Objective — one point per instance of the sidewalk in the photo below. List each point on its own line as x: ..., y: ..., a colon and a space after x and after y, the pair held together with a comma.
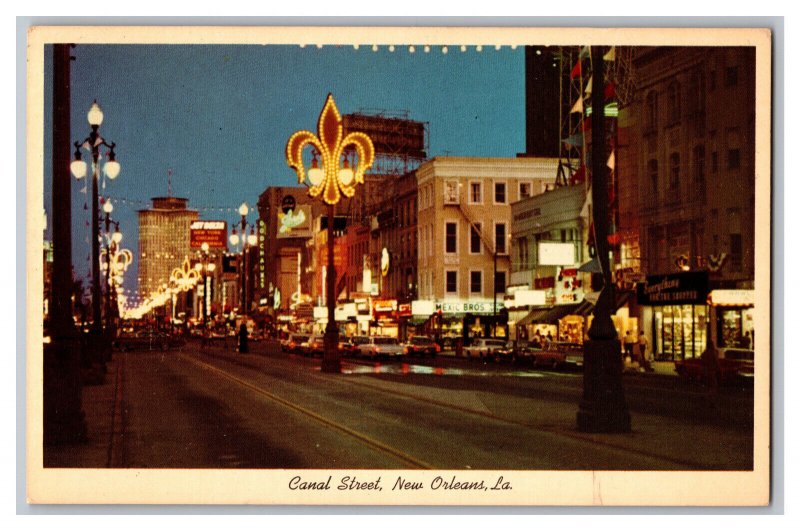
x: 661, y: 368
x: 101, y: 406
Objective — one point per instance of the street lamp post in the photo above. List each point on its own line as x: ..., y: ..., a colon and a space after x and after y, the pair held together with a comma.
x: 111, y: 241
x: 603, y: 407
x: 249, y: 241
x: 204, y: 267
x: 93, y: 143
x: 330, y: 181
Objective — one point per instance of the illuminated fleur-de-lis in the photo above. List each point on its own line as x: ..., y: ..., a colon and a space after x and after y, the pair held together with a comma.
x: 185, y: 277
x: 331, y: 180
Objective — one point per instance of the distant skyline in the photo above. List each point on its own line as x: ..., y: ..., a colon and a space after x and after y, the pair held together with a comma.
x: 218, y: 116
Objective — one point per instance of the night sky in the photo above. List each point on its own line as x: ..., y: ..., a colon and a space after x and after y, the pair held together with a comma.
x: 219, y: 116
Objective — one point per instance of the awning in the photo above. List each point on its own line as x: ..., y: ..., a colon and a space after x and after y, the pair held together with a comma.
x: 558, y: 312
x: 533, y: 316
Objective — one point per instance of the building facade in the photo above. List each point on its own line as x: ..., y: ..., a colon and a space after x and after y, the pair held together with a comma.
x: 691, y: 150
x: 464, y: 228
x: 163, y: 241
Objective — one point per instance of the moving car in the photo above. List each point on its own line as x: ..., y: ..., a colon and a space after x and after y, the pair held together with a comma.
x: 556, y: 354
x: 735, y: 365
x: 292, y: 343
x: 377, y: 346
x: 314, y: 345
x: 422, y: 346
x: 484, y: 347
x: 147, y: 340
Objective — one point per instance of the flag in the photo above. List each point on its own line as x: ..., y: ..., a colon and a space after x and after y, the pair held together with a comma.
x: 574, y: 140
x: 579, y: 176
x: 611, y: 161
x: 609, y: 91
x: 588, y: 89
x: 578, y: 107
x: 610, y: 55
x: 576, y: 70
x: 585, y: 51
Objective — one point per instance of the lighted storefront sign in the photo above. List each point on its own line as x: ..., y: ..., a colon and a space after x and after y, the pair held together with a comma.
x: 556, y: 254
x: 732, y: 297
x: 389, y: 305
x: 486, y: 307
x: 676, y: 288
x: 527, y: 297
x: 214, y: 233
x: 295, y: 222
x: 422, y: 308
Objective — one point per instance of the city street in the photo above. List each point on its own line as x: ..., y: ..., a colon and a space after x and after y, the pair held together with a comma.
x: 215, y: 408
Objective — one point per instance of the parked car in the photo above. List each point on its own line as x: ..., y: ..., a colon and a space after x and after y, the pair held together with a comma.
x: 422, y: 346
x: 348, y: 346
x: 524, y: 352
x: 735, y: 365
x: 558, y: 354
x: 293, y: 343
x: 484, y: 348
x: 378, y: 346
x: 147, y: 340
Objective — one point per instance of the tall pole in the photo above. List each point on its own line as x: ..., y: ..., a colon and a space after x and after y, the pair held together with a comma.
x: 331, y: 361
x: 244, y: 267
x: 97, y: 326
x: 603, y: 407
x: 494, y: 290
x: 63, y: 417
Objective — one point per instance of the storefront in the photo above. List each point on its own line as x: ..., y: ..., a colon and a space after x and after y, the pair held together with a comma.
x: 675, y: 307
x: 734, y: 317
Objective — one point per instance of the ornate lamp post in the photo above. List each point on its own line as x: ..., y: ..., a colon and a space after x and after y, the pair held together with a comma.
x: 330, y: 181
x: 250, y: 241
x: 184, y: 278
x: 603, y: 407
x: 93, y: 143
x: 204, y: 267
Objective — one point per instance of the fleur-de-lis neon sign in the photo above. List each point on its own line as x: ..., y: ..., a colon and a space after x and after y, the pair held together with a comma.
x: 185, y: 277
x: 331, y: 181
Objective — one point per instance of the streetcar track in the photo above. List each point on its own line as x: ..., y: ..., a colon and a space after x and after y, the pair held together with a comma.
x: 364, y: 439
x: 445, y: 405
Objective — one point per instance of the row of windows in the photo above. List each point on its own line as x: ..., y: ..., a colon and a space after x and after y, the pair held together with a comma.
x: 476, y: 243
x: 696, y: 97
x: 475, y: 282
x: 698, y: 170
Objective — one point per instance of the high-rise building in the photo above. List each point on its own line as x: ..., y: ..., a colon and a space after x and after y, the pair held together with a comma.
x: 163, y: 240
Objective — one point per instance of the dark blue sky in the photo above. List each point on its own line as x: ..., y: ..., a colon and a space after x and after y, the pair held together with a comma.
x: 219, y: 116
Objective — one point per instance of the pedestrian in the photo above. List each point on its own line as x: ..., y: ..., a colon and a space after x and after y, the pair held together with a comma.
x: 243, y: 338
x: 630, y: 341
x: 644, y: 356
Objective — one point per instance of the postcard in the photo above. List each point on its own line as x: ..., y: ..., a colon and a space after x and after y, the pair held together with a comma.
x: 398, y: 266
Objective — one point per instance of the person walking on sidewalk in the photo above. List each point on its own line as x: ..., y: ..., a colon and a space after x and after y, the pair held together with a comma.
x: 644, y: 356
x: 630, y: 341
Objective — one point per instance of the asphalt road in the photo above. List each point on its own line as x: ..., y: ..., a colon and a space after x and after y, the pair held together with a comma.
x: 215, y: 408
